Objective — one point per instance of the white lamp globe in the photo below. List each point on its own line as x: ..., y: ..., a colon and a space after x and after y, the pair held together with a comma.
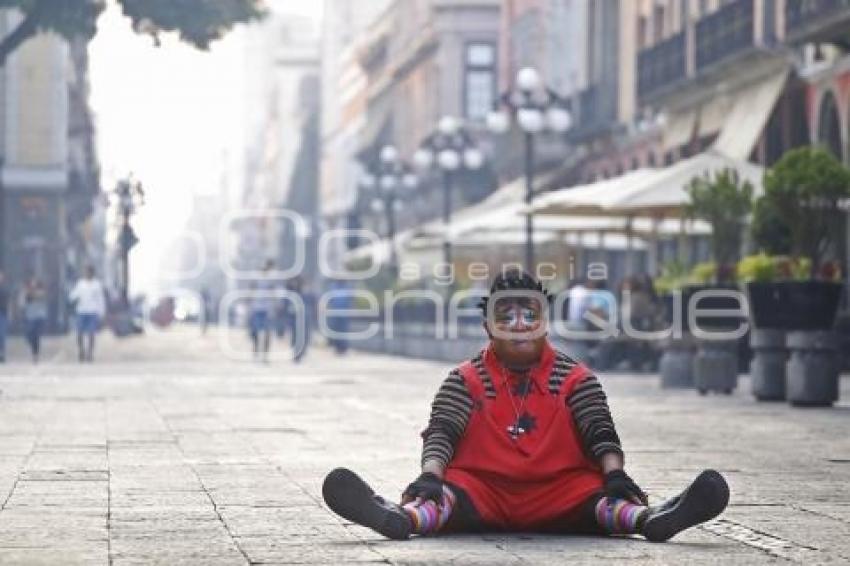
x: 409, y: 181
x: 449, y: 159
x: 528, y: 79
x: 388, y: 182
x: 530, y: 120
x: 377, y: 205
x: 423, y: 158
x: 473, y: 158
x: 389, y: 154
x: 498, y: 122
x: 558, y: 119
x: 448, y: 125
x: 368, y: 181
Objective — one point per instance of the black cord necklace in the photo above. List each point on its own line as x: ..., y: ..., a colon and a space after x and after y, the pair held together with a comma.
x: 514, y: 430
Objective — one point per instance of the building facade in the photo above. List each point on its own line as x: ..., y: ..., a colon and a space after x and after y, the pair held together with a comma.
x: 281, y: 53
x: 49, y: 175
x: 415, y: 63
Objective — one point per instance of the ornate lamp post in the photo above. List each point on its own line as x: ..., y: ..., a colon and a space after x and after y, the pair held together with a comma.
x: 386, y: 181
x: 450, y: 148
x: 536, y: 109
x: 128, y: 196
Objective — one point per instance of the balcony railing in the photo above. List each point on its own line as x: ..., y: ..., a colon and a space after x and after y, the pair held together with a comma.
x: 805, y: 17
x: 661, y: 65
x: 725, y: 33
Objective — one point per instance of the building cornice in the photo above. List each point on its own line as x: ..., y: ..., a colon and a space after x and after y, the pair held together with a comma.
x: 41, y: 179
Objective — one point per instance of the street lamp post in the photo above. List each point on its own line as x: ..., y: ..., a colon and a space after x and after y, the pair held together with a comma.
x: 129, y: 196
x: 450, y: 148
x: 536, y: 108
x: 386, y: 181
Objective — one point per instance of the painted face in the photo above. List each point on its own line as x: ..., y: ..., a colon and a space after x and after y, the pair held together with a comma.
x: 519, y: 318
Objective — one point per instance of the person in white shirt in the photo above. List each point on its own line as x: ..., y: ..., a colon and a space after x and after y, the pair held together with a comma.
x: 578, y: 295
x: 89, y: 298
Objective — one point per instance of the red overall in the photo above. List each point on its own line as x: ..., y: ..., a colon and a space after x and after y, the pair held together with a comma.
x: 541, y: 475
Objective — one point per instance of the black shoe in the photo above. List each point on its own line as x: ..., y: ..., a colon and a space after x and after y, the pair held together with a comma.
x: 351, y: 498
x: 702, y: 501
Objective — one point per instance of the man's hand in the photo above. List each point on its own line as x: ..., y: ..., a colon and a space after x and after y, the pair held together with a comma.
x: 428, y: 486
x: 618, y: 485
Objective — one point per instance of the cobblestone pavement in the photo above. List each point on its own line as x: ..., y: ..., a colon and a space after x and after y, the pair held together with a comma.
x: 167, y: 452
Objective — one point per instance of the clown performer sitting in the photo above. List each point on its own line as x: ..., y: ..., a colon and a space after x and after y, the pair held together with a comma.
x: 520, y: 438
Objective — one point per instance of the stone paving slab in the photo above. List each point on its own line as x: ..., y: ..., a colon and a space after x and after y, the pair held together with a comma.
x: 166, y: 452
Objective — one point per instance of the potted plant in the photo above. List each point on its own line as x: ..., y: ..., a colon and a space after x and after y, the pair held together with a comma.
x: 724, y: 201
x: 795, y: 300
x: 798, y: 220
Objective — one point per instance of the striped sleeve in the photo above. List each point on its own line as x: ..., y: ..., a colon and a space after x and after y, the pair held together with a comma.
x: 449, y: 416
x: 589, y: 406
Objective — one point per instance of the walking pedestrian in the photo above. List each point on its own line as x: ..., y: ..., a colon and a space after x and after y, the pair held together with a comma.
x: 300, y: 326
x: 340, y: 300
x: 89, y: 299
x: 261, y: 312
x: 34, y: 301
x: 206, y: 310
x: 4, y: 315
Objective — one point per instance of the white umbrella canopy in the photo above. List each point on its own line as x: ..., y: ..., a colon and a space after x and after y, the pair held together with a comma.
x: 649, y: 192
x: 512, y: 218
x: 611, y: 242
x: 667, y: 192
x: 594, y: 198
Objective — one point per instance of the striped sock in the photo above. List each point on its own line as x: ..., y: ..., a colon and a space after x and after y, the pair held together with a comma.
x: 620, y: 517
x: 428, y: 517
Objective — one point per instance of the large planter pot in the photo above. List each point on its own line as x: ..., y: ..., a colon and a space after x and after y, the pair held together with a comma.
x: 813, y: 369
x: 768, y: 370
x: 706, y: 303
x: 716, y: 366
x: 676, y: 365
x: 794, y: 305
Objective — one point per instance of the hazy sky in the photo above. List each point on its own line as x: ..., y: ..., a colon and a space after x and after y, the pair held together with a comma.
x: 171, y: 115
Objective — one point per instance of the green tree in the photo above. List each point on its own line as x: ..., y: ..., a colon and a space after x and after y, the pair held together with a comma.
x: 804, y: 190
x: 197, y: 22
x: 724, y: 202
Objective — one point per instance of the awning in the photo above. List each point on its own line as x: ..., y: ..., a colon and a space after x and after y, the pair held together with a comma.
x: 679, y: 129
x: 713, y: 114
x: 513, y: 220
x: 512, y: 193
x: 666, y: 192
x: 748, y: 117
x: 645, y: 192
x: 594, y: 198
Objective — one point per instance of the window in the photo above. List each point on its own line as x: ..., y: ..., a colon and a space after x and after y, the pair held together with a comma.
x: 480, y: 80
x: 658, y: 23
